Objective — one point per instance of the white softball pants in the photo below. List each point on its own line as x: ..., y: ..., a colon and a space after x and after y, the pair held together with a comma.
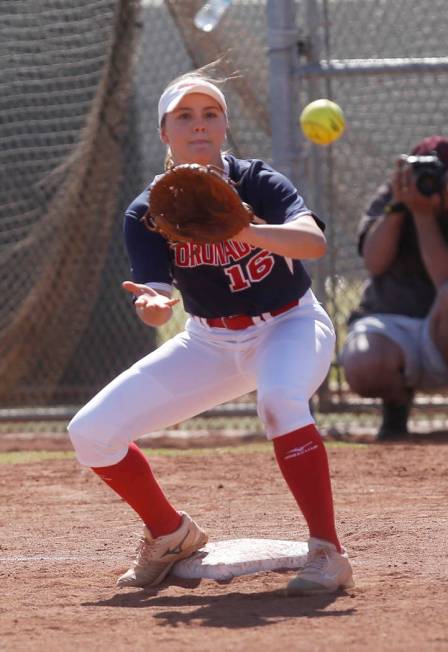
x: 285, y: 359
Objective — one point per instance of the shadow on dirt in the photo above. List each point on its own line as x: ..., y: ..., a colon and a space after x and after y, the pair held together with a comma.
x: 434, y: 437
x: 232, y: 610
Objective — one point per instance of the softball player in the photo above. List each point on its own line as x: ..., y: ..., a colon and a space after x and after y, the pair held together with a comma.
x: 253, y: 323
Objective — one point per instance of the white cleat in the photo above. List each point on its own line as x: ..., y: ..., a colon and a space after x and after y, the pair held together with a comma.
x: 326, y: 570
x: 156, y: 557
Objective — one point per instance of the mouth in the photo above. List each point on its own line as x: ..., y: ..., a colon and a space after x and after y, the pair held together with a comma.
x: 200, y: 142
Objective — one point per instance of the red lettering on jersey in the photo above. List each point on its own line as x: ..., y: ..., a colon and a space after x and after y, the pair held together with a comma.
x: 181, y: 254
x: 192, y: 254
x: 242, y: 248
x: 220, y: 253
x: 208, y: 254
x: 231, y: 251
x: 195, y: 255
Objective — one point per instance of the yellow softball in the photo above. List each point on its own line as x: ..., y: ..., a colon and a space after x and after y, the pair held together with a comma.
x: 322, y: 121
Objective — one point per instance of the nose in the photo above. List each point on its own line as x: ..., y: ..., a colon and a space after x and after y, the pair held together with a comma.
x: 199, y: 126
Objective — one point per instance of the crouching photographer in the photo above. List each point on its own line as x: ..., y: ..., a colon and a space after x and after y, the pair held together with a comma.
x: 398, y: 337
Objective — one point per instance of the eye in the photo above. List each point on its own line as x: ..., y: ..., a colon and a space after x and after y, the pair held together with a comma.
x: 183, y: 115
x: 211, y: 114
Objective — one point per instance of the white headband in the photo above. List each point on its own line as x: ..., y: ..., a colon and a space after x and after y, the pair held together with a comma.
x: 171, y: 97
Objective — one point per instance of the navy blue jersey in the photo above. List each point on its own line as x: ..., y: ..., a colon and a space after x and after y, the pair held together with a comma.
x: 227, y: 278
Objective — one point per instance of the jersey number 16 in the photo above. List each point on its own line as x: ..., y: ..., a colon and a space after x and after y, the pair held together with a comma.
x: 255, y: 270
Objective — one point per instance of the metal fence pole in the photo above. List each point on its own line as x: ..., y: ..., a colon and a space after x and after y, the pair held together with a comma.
x: 282, y: 39
x: 318, y: 177
x: 316, y: 182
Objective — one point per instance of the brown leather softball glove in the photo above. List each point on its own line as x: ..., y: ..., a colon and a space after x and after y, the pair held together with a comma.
x: 196, y: 203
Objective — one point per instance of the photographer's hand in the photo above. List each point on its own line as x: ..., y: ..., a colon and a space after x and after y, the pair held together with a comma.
x: 382, y: 239
x: 433, y: 246
x: 405, y: 191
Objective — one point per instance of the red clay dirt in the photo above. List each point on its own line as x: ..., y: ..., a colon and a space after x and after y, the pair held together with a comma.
x: 65, y: 537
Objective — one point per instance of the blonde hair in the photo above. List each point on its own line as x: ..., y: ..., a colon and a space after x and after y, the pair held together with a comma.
x: 208, y: 73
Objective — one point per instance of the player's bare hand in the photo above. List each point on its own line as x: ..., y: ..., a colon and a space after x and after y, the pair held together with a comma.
x: 405, y: 191
x: 153, y: 308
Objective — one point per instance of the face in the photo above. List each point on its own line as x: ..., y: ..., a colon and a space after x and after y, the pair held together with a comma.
x: 195, y: 130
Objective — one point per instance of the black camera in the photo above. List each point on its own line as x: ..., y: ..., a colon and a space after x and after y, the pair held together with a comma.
x: 429, y: 173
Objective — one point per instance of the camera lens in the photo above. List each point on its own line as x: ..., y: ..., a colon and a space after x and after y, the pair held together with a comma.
x: 429, y: 174
x: 428, y: 184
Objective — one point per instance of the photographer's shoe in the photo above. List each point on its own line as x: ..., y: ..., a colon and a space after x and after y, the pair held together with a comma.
x: 156, y: 557
x: 326, y: 570
x: 395, y: 420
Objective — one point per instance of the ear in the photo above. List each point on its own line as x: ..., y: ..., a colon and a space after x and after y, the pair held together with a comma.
x: 162, y: 135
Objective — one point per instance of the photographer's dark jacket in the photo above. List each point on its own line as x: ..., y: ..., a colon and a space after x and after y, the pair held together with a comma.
x: 405, y: 288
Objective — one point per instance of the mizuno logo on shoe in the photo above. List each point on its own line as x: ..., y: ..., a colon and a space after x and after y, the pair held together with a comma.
x: 176, y: 550
x: 300, y: 450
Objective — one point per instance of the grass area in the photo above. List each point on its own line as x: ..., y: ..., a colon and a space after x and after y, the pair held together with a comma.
x: 29, y: 457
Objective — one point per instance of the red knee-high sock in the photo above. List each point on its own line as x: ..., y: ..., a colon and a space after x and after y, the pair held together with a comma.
x: 133, y: 480
x: 302, y: 459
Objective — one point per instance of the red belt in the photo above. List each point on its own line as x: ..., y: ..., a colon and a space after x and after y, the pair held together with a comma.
x: 239, y: 322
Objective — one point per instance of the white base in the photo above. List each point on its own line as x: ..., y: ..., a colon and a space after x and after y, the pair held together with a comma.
x: 222, y: 560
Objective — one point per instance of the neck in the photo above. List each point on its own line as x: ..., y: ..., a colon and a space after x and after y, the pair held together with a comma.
x: 217, y: 162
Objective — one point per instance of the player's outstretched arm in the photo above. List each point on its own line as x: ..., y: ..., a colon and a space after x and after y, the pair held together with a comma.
x: 153, y: 308
x: 300, y: 239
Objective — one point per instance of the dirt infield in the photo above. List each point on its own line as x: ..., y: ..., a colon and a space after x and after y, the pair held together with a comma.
x: 65, y: 537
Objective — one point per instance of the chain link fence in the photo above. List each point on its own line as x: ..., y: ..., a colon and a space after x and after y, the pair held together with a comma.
x: 80, y: 85
x: 386, y: 64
